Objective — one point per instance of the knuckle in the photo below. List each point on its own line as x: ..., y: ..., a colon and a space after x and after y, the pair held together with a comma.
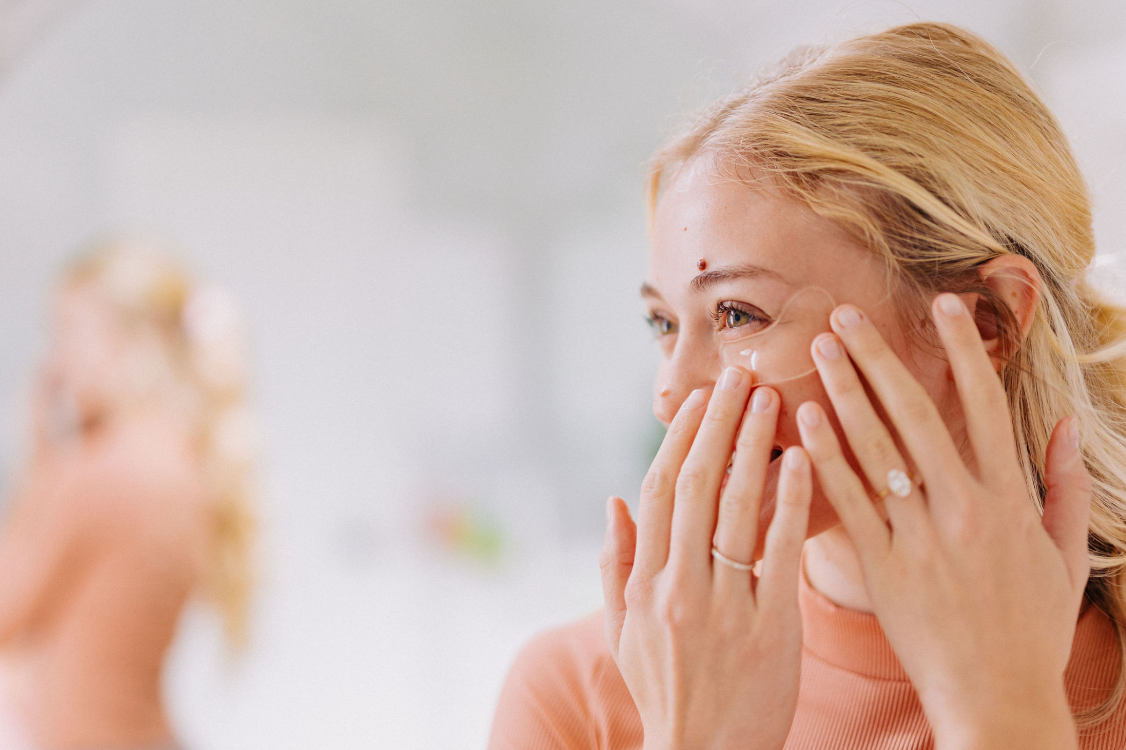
x: 676, y: 611
x: 690, y: 481
x: 751, y: 436
x: 849, y: 388
x: 636, y: 593
x: 656, y: 483
x: 606, y: 558
x: 916, y: 409
x: 720, y: 413
x: 966, y: 527
x: 880, y: 449
x: 734, y: 507
x: 670, y: 609
x: 681, y: 427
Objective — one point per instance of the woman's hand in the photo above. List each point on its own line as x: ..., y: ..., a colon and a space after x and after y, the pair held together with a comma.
x: 710, y: 654
x: 977, y: 594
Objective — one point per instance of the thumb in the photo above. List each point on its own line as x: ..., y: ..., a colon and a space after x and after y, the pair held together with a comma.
x: 1067, y: 503
x: 616, y: 562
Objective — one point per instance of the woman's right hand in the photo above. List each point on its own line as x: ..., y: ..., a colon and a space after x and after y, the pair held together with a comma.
x: 710, y: 653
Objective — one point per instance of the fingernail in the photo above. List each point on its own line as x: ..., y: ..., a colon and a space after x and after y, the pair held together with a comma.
x: 761, y: 400
x: 794, y: 459
x: 849, y: 317
x: 610, y: 512
x: 731, y: 379
x: 829, y: 348
x: 810, y: 415
x: 950, y: 304
x: 1073, y: 433
x: 695, y: 399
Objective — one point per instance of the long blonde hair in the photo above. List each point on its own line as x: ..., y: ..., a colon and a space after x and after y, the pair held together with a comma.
x: 203, y: 350
x: 933, y: 151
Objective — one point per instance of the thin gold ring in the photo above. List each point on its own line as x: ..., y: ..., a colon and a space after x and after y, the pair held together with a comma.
x: 720, y: 557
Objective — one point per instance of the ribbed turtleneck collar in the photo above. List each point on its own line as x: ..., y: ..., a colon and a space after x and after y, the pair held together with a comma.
x: 850, y: 640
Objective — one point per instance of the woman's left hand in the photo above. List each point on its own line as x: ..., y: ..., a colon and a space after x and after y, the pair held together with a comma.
x: 978, y: 594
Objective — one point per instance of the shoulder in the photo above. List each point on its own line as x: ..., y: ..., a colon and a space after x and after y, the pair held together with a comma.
x: 126, y: 491
x: 564, y: 691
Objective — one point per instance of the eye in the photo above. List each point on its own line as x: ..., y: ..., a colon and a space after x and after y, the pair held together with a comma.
x: 661, y: 325
x: 730, y: 314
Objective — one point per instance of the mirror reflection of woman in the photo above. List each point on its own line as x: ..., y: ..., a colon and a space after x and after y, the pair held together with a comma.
x: 939, y: 512
x: 135, y: 495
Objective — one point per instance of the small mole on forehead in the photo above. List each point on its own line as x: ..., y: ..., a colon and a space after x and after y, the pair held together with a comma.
x: 701, y: 265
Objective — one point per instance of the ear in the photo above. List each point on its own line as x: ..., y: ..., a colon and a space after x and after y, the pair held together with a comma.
x: 1014, y: 280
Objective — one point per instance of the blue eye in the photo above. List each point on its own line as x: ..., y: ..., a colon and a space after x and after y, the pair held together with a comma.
x: 661, y: 325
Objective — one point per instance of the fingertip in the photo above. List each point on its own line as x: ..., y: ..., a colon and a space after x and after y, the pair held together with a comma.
x: 795, y: 458
x: 809, y: 414
x: 948, y: 305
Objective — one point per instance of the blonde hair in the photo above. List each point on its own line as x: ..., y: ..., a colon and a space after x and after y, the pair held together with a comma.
x: 934, y: 152
x: 203, y: 346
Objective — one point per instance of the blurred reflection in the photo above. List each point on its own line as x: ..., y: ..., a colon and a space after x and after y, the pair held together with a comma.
x: 136, y: 493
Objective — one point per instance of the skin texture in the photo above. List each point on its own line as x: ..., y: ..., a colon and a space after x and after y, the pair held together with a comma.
x: 693, y: 653
x: 108, y: 530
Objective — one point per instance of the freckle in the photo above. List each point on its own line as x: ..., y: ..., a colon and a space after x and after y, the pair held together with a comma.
x: 686, y: 229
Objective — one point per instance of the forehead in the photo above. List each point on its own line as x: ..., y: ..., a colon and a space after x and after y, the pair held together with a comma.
x: 727, y: 221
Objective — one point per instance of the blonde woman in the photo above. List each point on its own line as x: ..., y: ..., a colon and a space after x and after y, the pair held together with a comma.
x: 135, y: 495
x: 887, y: 380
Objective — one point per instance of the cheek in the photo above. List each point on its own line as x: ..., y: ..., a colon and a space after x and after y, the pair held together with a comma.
x: 793, y: 394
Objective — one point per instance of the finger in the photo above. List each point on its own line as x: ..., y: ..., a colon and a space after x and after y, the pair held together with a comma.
x: 1067, y: 502
x: 871, y: 443
x: 906, y: 402
x: 781, y: 562
x: 989, y: 424
x: 654, y: 516
x: 741, y: 500
x: 616, y: 562
x: 841, y: 485
x: 697, y: 487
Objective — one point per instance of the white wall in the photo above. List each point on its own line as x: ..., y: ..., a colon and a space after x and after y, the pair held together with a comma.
x: 432, y: 212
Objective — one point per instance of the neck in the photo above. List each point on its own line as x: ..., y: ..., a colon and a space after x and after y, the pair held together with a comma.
x: 832, y: 567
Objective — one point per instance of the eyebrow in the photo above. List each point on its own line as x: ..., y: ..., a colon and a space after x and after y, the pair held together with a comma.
x: 710, y: 278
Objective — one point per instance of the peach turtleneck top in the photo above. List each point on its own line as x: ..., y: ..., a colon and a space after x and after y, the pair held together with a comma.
x: 564, y: 691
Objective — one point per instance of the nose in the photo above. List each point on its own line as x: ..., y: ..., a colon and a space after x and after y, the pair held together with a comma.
x: 679, y: 375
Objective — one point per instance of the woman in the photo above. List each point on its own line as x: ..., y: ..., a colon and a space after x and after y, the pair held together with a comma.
x: 135, y: 495
x: 953, y: 457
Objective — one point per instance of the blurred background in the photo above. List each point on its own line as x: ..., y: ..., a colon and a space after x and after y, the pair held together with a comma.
x: 431, y: 212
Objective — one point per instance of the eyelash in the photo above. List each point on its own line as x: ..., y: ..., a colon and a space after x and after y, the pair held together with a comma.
x: 654, y: 320
x: 727, y: 306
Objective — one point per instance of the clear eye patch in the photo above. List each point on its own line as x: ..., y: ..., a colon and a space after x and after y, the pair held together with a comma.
x: 780, y: 350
